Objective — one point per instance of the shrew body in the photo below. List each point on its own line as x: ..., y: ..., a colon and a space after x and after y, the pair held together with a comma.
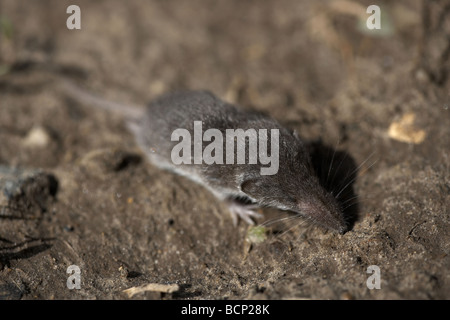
x: 293, y: 187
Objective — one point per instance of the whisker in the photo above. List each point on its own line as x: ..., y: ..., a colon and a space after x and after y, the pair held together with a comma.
x: 350, y: 205
x: 348, y: 200
x: 331, y: 164
x: 355, y: 170
x: 360, y: 198
x: 337, y: 169
x: 300, y: 223
x: 275, y: 220
x: 308, y: 227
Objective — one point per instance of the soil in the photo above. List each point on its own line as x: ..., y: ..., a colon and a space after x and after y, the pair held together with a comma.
x: 373, y: 105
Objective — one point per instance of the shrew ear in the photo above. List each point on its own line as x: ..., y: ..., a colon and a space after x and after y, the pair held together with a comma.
x: 250, y: 187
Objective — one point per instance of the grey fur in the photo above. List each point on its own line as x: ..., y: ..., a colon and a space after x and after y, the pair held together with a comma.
x: 295, y: 187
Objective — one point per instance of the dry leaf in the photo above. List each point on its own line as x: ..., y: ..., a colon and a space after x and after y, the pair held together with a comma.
x: 405, y: 131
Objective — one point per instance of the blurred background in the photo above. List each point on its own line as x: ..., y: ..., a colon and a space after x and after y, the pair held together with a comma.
x: 379, y: 96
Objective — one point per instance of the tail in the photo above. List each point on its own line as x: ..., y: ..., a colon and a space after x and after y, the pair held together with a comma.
x: 130, y: 112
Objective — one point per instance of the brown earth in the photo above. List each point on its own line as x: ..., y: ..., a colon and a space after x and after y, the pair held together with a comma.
x: 83, y: 194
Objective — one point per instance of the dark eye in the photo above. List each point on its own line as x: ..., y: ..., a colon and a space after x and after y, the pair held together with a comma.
x: 291, y: 199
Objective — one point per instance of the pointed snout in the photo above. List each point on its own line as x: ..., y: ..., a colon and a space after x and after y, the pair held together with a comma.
x: 325, y: 212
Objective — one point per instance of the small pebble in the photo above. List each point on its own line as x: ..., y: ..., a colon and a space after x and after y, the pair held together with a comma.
x: 37, y: 137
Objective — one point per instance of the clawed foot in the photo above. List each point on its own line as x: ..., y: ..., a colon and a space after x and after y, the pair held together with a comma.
x: 244, y: 211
